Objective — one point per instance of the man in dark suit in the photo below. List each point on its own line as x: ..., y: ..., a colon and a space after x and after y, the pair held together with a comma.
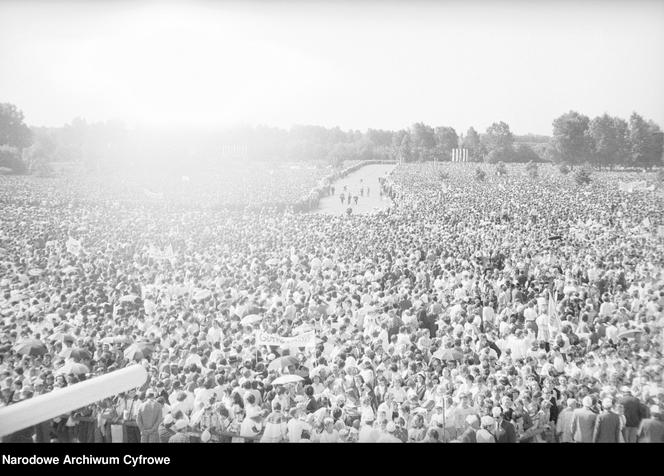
x: 469, y: 436
x: 633, y: 414
x: 651, y: 430
x: 583, y: 422
x: 607, y: 424
x: 505, y: 431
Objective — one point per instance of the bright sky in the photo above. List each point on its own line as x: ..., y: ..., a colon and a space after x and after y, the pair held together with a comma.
x: 353, y: 65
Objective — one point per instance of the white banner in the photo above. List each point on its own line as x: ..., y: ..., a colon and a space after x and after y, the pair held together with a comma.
x: 308, y: 339
x: 74, y: 246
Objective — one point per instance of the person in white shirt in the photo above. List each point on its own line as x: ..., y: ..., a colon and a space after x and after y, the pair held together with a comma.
x: 389, y: 437
x: 296, y: 425
x: 368, y: 433
x: 483, y: 435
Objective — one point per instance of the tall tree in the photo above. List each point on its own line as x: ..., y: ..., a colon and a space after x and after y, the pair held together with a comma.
x: 446, y: 140
x: 423, y: 141
x: 641, y: 141
x: 13, y: 131
x: 406, y: 149
x: 570, y: 137
x: 471, y: 141
x: 499, y: 140
x: 606, y: 140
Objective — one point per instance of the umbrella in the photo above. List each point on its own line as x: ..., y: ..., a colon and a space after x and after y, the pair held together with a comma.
x: 556, y: 237
x: 63, y: 337
x: 128, y: 298
x: 35, y: 272
x: 284, y: 379
x: 448, y: 354
x: 251, y: 319
x: 71, y: 367
x: 80, y: 354
x: 145, y: 348
x: 30, y: 347
x: 630, y: 333
x: 272, y: 262
x: 282, y: 362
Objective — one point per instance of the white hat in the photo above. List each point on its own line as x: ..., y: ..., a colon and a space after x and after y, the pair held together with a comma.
x: 607, y: 402
x: 496, y: 412
x: 654, y: 410
x: 587, y: 401
x: 168, y: 419
x: 470, y: 419
x: 180, y: 425
x: 487, y: 420
x: 391, y: 427
x: 205, y: 436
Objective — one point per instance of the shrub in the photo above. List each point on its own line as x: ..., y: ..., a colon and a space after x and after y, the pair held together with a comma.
x: 532, y: 170
x: 582, y: 175
x: 501, y: 169
x: 563, y: 168
x: 480, y: 174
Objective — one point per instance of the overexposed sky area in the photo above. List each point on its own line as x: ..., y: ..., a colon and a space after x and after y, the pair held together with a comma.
x: 348, y: 64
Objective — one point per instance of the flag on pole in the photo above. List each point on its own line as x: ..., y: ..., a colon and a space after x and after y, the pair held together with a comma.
x: 554, y: 319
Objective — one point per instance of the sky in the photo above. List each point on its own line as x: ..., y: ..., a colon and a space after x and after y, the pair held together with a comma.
x: 356, y: 65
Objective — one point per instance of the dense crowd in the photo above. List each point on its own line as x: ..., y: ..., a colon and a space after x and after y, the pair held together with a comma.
x: 513, y: 309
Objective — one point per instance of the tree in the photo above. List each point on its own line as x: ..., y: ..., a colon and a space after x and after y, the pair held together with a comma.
x: 608, y: 140
x: 499, y: 138
x: 471, y: 141
x: 406, y: 149
x: 646, y: 142
x: 13, y: 131
x: 525, y: 153
x: 570, y: 138
x: 423, y: 141
x: 446, y: 140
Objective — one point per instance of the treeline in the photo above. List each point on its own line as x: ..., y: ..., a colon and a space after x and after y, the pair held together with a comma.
x: 604, y: 141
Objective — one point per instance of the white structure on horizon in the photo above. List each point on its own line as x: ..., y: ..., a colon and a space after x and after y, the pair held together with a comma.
x: 459, y: 155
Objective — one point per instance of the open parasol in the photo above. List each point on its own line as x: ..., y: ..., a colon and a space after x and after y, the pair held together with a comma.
x: 30, y: 347
x: 285, y: 379
x: 71, y: 367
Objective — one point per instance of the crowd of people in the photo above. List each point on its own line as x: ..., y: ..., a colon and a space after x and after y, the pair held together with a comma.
x: 514, y: 309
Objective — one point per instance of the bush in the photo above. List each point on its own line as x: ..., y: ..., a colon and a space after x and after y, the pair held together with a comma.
x: 660, y: 175
x: 583, y: 175
x: 480, y: 174
x: 9, y: 159
x: 563, y: 168
x: 501, y: 169
x: 532, y: 170
x: 443, y: 176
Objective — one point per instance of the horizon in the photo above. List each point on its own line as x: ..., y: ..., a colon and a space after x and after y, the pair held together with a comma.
x: 205, y: 67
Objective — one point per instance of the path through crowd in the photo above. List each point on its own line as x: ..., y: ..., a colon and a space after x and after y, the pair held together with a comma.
x: 362, y: 179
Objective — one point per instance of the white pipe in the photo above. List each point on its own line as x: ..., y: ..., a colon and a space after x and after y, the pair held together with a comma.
x: 58, y: 402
